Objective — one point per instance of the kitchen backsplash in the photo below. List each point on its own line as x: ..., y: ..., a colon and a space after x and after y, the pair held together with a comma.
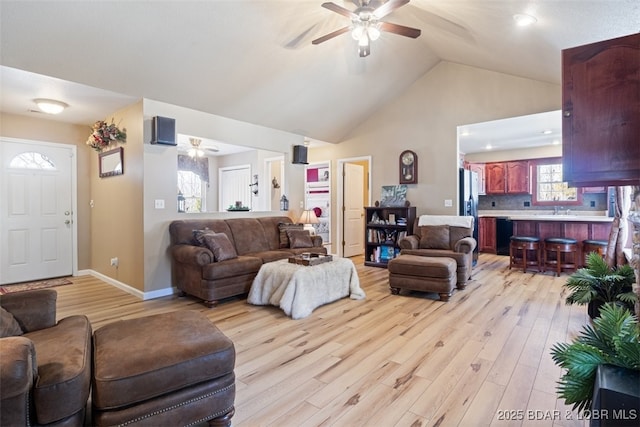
x: 590, y: 202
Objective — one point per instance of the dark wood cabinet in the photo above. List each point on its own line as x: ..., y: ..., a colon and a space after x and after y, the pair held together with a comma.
x: 600, y: 109
x: 507, y: 177
x: 487, y: 234
x: 517, y: 177
x: 495, y: 174
x: 383, y: 229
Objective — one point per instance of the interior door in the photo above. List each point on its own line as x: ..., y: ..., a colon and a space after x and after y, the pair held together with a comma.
x: 353, y: 210
x: 36, y: 235
x: 235, y: 186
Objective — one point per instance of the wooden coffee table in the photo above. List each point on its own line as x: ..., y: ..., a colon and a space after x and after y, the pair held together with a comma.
x: 299, y: 289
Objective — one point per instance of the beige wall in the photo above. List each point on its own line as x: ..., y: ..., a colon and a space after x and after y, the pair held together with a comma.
x: 425, y: 119
x: 38, y: 129
x: 506, y: 155
x: 117, y: 215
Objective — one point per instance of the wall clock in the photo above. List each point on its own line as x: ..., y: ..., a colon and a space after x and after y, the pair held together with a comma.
x: 408, y: 167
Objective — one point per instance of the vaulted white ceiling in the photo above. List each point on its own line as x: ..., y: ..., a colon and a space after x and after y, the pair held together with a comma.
x: 253, y: 60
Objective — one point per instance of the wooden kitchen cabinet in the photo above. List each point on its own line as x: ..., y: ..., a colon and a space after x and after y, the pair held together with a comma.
x: 517, y: 177
x: 487, y: 234
x: 495, y: 174
x: 507, y: 177
x: 600, y: 104
x: 479, y: 169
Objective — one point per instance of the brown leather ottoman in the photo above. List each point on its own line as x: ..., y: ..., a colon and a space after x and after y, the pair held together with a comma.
x: 422, y: 273
x: 165, y: 369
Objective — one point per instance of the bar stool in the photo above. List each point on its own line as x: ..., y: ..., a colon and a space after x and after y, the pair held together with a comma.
x: 560, y: 248
x: 519, y: 248
x: 588, y: 246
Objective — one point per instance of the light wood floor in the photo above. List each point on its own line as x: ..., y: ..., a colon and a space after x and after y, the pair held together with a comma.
x: 408, y: 360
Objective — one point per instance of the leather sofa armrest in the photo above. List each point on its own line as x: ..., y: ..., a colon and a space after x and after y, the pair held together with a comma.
x: 18, y: 369
x: 465, y: 245
x: 34, y: 310
x: 195, y: 255
x: 409, y: 242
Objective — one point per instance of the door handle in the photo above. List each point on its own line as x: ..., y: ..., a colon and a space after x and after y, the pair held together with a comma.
x: 67, y: 213
x: 67, y: 222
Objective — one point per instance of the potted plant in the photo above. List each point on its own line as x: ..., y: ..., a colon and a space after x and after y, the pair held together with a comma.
x: 598, y: 284
x: 612, y: 340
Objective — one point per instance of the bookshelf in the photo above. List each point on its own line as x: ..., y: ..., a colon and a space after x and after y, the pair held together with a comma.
x: 384, y: 227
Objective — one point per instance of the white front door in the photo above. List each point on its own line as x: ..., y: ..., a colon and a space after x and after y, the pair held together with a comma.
x: 36, y: 235
x: 353, y: 210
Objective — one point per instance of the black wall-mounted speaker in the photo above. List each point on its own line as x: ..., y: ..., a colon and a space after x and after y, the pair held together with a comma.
x: 300, y: 155
x: 163, y: 131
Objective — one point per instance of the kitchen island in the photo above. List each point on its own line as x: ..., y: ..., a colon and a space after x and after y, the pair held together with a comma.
x: 579, y: 227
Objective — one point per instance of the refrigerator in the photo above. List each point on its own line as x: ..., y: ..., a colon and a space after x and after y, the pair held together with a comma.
x: 468, y: 202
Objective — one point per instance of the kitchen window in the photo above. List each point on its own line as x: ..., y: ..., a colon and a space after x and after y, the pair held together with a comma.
x: 548, y: 187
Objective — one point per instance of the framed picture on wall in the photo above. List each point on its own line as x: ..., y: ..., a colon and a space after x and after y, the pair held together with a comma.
x: 323, y: 174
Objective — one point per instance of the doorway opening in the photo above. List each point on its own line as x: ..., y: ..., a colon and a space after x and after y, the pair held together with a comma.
x: 353, y: 194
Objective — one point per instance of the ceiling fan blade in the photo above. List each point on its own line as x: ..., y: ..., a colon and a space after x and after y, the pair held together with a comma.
x: 339, y: 9
x: 388, y: 7
x: 400, y: 29
x: 330, y: 35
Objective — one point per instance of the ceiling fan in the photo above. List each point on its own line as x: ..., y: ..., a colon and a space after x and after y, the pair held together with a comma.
x: 365, y: 23
x: 197, y: 151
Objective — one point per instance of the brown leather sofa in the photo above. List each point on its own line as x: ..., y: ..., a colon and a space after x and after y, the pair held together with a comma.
x: 196, y: 271
x: 443, y: 236
x: 45, y: 367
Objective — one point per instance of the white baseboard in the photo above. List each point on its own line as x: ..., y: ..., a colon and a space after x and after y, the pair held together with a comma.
x: 133, y: 291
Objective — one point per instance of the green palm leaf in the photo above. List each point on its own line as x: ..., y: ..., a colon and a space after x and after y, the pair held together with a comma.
x: 614, y: 339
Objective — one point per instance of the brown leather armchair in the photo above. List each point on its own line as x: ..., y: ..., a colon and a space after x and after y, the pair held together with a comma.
x: 443, y: 236
x: 45, y: 367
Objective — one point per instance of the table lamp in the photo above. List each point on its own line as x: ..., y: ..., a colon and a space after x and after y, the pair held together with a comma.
x: 308, y: 218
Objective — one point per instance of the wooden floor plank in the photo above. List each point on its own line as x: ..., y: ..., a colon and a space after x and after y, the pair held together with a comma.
x: 388, y: 360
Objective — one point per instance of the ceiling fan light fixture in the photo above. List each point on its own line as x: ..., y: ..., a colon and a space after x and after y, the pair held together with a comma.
x: 195, y: 150
x: 50, y: 106
x: 373, y: 32
x: 524, y: 20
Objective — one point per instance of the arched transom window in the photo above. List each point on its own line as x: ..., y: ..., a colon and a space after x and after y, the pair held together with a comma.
x: 32, y: 160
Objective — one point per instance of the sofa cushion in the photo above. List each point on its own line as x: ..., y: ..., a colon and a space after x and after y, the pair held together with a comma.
x: 434, y: 237
x: 132, y: 365
x: 9, y: 326
x: 270, y: 256
x: 283, y: 227
x: 231, y: 268
x: 63, y: 353
x: 220, y: 245
x: 456, y: 234
x: 249, y: 235
x: 299, y: 239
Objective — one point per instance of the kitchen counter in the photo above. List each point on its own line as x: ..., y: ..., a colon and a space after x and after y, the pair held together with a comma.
x: 578, y: 216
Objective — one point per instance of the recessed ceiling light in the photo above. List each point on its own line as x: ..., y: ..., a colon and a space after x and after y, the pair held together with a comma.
x: 464, y: 133
x: 523, y: 20
x: 488, y: 147
x: 547, y: 131
x: 50, y: 106
x: 555, y: 142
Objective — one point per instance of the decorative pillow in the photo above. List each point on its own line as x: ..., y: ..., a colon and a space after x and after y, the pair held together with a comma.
x: 299, y: 239
x: 220, y: 245
x: 434, y: 237
x: 9, y: 326
x: 198, y: 235
x: 283, y: 227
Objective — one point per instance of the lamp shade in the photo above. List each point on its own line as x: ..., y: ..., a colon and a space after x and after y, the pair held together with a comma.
x: 309, y: 217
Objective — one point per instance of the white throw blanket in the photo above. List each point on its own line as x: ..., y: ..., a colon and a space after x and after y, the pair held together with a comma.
x: 299, y: 289
x: 454, y: 221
